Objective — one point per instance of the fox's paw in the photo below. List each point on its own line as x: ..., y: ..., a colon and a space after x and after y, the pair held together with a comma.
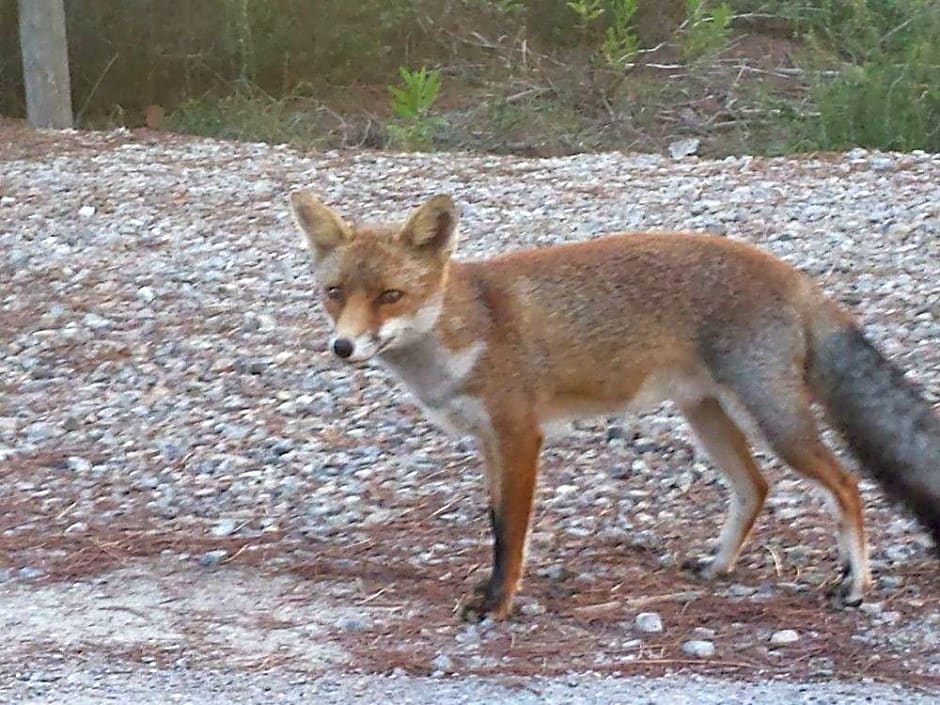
x: 703, y: 567
x: 484, y: 602
x: 849, y: 591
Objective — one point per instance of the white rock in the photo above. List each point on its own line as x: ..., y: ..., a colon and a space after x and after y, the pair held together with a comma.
x: 78, y: 464
x: 76, y: 528
x: 648, y: 622
x: 86, y: 211
x: 684, y: 148
x: 532, y: 609
x: 699, y: 648
x: 225, y: 527
x: 442, y: 662
x: 783, y: 637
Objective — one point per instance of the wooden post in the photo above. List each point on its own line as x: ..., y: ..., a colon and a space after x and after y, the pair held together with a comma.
x: 45, y: 63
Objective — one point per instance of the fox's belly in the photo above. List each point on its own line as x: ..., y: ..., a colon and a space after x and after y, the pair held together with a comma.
x: 683, y: 386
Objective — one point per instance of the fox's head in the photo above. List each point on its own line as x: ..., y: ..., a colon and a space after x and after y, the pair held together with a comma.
x: 382, y: 285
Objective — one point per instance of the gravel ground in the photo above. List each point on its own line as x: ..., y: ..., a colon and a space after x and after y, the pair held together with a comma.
x: 178, y: 449
x: 158, y: 687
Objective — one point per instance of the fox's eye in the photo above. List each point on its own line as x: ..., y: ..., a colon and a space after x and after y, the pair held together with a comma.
x: 390, y: 296
x: 334, y: 293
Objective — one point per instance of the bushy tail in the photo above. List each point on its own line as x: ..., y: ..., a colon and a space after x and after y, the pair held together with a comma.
x: 890, y: 427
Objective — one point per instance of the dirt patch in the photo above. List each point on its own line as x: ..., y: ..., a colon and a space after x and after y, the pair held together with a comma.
x: 154, y: 609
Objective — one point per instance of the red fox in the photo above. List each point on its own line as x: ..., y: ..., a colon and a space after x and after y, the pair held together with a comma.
x: 500, y: 348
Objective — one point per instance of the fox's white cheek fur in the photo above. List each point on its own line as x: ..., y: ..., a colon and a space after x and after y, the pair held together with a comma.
x: 402, y: 329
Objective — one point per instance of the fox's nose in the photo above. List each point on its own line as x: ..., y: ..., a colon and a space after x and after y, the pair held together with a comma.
x: 343, y: 347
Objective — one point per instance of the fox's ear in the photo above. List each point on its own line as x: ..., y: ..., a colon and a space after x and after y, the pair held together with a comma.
x: 432, y: 227
x: 321, y: 225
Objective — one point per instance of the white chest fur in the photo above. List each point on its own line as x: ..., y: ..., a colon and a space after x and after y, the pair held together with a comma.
x: 436, y: 376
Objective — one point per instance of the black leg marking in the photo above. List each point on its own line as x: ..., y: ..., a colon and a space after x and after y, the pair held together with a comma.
x: 498, y: 576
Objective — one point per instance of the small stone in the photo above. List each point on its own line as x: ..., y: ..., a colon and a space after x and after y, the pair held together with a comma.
x: 442, y: 662
x: 532, y: 609
x: 646, y: 445
x: 738, y: 590
x: 615, y: 433
x: 96, y: 322
x: 556, y: 572
x: 784, y: 636
x: 684, y: 148
x: 856, y: 153
x: 76, y: 463
x: 225, y: 527
x: 699, y: 648
x: 29, y: 573
x: 703, y: 633
x: 355, y: 624
x: 222, y: 364
x: 896, y: 554
x: 468, y: 635
x: 283, y: 447
x: 890, y: 582
x: 7, y: 201
x: 39, y: 431
x: 648, y: 622
x: 210, y: 559
x: 146, y: 294
x: 76, y: 528
x: 86, y: 211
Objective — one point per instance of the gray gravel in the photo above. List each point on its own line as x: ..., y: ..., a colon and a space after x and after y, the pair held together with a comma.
x: 163, y: 363
x: 99, y: 684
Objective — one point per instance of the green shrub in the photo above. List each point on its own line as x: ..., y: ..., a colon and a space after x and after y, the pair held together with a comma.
x: 887, y: 94
x: 411, y: 103
x: 893, y: 103
x: 620, y: 43
x: 706, y: 32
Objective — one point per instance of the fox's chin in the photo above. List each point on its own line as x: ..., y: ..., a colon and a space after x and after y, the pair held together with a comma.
x: 386, y: 345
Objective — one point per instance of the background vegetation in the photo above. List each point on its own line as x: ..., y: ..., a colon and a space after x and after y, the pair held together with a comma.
x: 522, y: 76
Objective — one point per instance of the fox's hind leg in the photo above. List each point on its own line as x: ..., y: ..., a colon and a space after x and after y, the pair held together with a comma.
x: 783, y: 413
x: 728, y: 449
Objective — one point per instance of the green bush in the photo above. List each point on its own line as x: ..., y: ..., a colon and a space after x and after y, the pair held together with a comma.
x: 887, y: 94
x: 893, y: 103
x: 411, y: 103
x: 706, y: 31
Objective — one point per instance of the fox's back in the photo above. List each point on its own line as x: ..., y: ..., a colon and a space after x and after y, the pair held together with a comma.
x: 673, y: 281
x: 597, y: 318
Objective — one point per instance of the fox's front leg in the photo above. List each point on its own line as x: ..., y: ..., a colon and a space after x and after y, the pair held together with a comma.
x: 511, y: 469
